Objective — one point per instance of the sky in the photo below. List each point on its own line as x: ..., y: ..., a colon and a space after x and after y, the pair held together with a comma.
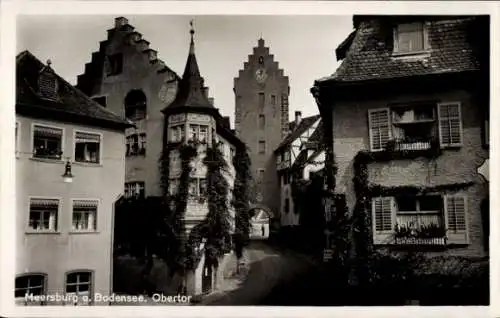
x: 304, y: 46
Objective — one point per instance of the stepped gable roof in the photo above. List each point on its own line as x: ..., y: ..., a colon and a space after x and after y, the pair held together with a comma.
x: 42, y: 93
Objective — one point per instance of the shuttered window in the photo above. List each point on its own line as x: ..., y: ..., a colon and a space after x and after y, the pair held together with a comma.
x: 379, y: 128
x: 383, y: 219
x: 450, y: 124
x: 456, y: 219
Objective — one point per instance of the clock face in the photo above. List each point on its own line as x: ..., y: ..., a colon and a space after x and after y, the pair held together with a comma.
x: 168, y: 92
x: 261, y: 75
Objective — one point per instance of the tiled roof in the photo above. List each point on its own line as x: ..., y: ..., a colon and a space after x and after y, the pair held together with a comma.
x: 70, y: 101
x: 304, y: 124
x: 368, y: 54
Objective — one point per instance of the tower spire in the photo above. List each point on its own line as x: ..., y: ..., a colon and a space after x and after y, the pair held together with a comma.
x: 191, y: 31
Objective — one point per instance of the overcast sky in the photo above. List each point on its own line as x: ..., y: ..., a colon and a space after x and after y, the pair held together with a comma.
x: 304, y: 46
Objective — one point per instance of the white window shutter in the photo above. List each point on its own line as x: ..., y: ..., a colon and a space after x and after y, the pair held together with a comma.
x: 455, y: 208
x: 383, y: 216
x: 379, y: 128
x: 450, y: 124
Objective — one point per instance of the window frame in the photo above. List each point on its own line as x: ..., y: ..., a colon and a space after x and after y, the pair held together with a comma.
x: 425, y: 39
x: 261, y: 121
x: 96, y: 215
x: 91, y: 282
x: 32, y: 141
x: 136, y: 187
x: 101, y: 148
x: 370, y: 126
x: 259, y: 150
x: 460, y: 118
x: 31, y: 274
x: 57, y: 223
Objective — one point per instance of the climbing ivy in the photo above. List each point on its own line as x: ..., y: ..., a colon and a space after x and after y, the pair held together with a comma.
x: 241, y: 199
x: 217, y: 222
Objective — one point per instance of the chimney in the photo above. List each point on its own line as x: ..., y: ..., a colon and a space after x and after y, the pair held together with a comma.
x: 211, y: 100
x: 120, y: 21
x: 298, y: 118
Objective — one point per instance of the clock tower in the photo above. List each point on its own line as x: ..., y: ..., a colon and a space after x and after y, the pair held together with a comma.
x: 261, y: 118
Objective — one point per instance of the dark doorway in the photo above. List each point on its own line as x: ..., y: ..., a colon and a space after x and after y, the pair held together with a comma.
x: 206, y: 282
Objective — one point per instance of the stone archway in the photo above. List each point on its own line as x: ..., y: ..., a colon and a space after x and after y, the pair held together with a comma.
x: 260, y: 221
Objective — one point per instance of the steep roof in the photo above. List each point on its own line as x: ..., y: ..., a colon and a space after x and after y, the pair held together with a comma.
x: 191, y: 87
x: 304, y: 124
x: 68, y: 104
x: 368, y: 50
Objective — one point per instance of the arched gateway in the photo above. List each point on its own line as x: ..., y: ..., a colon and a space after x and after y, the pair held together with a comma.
x: 261, y: 218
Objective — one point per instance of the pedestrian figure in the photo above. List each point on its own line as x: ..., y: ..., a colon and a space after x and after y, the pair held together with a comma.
x: 263, y: 230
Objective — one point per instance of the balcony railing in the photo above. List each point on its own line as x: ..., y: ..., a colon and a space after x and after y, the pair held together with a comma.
x: 420, y: 228
x: 420, y: 241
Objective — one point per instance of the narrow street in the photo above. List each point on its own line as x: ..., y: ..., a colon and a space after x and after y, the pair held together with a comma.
x: 269, y: 270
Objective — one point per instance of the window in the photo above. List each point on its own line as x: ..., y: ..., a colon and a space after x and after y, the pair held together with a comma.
x: 31, y: 284
x: 287, y: 205
x: 262, y: 121
x: 135, y: 105
x: 260, y: 175
x: 85, y: 215
x: 177, y: 133
x: 262, y: 147
x: 43, y: 214
x: 142, y: 143
x: 450, y: 124
x: 79, y: 284
x: 101, y: 100
x: 115, y: 64
x: 410, y: 38
x: 87, y: 147
x: 198, y: 133
x: 273, y: 100
x: 134, y: 189
x: 432, y: 219
x: 415, y: 127
x: 47, y: 142
x: 136, y: 144
x: 262, y: 100
x: 197, y: 187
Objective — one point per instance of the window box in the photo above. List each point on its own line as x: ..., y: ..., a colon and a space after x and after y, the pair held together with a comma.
x: 420, y: 219
x: 414, y: 128
x: 47, y: 142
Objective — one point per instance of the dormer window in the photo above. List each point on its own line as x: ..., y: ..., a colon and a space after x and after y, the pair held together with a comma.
x: 410, y: 38
x: 47, y: 82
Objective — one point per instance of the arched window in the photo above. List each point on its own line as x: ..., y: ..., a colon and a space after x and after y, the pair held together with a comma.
x: 30, y: 285
x: 135, y: 105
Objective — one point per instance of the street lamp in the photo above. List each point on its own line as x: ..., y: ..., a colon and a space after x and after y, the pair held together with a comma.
x: 67, y: 176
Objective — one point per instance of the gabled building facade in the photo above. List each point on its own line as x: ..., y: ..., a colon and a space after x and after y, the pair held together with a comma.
x: 292, y: 153
x: 261, y: 120
x: 70, y: 161
x: 406, y: 115
x: 126, y: 76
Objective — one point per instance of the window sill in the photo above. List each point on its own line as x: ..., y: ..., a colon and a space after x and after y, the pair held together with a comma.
x: 83, y: 232
x: 47, y: 160
x: 87, y: 164
x: 415, y: 55
x: 31, y: 232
